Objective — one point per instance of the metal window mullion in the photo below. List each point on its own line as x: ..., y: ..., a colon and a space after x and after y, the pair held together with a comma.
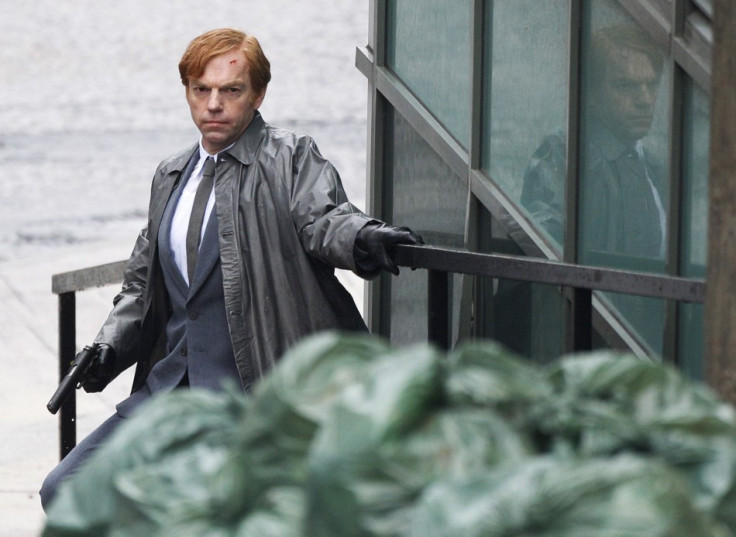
x: 469, y: 283
x: 657, y: 24
x: 574, y: 113
x: 572, y: 179
x: 685, y: 56
x: 670, y: 346
x: 376, y: 307
x: 387, y: 154
x: 379, y: 19
x: 679, y: 16
x: 372, y: 26
x: 477, y: 37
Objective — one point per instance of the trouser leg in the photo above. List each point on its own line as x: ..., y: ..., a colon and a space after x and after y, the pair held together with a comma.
x: 76, y: 457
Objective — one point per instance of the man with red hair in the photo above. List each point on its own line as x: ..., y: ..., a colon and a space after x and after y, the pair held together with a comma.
x: 236, y: 263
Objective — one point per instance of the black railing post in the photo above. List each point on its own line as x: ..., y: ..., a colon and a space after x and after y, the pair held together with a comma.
x: 582, y: 320
x: 438, y: 329
x: 67, y: 350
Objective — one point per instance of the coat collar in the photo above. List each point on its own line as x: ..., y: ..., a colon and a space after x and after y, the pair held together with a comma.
x: 179, y: 162
x: 245, y: 148
x: 607, y: 144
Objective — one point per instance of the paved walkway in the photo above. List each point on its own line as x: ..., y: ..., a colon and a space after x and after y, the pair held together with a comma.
x: 28, y: 357
x: 28, y: 347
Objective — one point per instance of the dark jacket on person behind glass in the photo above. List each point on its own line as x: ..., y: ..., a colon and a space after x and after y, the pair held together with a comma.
x: 284, y: 222
x: 621, y: 195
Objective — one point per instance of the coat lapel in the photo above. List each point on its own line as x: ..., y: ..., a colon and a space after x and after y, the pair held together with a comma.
x: 184, y: 163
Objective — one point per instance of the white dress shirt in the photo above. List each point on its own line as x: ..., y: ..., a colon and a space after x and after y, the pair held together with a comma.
x: 180, y: 222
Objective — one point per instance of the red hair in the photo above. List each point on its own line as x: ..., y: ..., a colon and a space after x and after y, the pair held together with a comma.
x: 215, y: 42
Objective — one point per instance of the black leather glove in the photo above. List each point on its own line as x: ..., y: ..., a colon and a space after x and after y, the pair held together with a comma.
x: 375, y: 246
x: 101, y: 370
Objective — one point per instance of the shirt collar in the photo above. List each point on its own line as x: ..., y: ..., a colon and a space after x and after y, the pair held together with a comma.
x: 203, y: 154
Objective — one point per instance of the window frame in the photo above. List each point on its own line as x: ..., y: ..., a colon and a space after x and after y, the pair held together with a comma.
x: 682, y: 27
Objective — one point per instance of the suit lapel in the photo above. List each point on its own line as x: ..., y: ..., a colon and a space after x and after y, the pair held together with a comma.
x: 171, y: 271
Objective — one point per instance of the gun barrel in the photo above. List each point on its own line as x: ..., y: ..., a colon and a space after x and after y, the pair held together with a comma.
x: 71, y: 380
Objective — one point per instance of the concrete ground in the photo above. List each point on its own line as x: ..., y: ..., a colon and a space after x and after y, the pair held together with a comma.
x: 28, y: 356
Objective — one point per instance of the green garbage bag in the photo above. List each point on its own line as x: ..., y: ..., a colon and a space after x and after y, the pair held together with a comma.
x: 606, y: 403
x: 372, y: 491
x: 277, y: 513
x: 401, y: 389
x: 391, y: 435
x: 348, y: 437
x: 270, y: 446
x: 154, y: 468
x: 624, y: 496
x: 484, y: 373
x: 189, y: 464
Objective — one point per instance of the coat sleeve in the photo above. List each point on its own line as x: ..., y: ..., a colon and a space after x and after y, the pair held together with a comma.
x: 327, y: 223
x: 543, y: 191
x: 122, y: 329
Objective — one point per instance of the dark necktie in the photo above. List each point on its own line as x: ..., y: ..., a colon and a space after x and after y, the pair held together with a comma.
x: 196, y: 219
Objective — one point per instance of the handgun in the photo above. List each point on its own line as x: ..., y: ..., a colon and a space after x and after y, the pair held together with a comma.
x: 73, y: 378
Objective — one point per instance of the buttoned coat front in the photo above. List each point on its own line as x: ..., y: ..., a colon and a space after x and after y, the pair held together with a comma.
x: 284, y: 223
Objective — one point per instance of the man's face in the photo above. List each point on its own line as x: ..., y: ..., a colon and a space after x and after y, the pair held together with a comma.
x: 626, y: 95
x: 222, y: 101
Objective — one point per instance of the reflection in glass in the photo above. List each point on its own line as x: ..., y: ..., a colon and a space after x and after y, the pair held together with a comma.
x: 623, y: 172
x: 429, y: 198
x: 623, y: 203
x: 696, y: 142
x: 528, y: 318
x: 525, y: 99
x: 525, y: 92
x: 428, y: 47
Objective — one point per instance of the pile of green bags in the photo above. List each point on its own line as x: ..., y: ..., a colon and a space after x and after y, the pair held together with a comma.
x: 349, y: 437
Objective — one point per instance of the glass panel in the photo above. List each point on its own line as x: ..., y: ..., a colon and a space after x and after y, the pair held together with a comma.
x: 431, y: 200
x: 525, y: 105
x: 428, y: 47
x: 527, y: 318
x: 696, y: 142
x: 623, y: 160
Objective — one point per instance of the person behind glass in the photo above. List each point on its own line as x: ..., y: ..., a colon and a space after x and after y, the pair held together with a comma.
x: 205, y: 308
x: 623, y: 212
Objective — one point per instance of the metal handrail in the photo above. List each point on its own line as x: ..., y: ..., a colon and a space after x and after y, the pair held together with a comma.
x: 543, y: 271
x: 581, y: 279
x: 66, y: 285
x: 440, y: 264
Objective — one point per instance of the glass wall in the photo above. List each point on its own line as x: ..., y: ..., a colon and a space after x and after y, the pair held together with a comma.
x: 525, y: 106
x: 428, y: 47
x: 429, y: 198
x: 624, y: 157
x: 694, y: 222
x: 605, y: 70
x: 525, y: 93
x: 527, y: 318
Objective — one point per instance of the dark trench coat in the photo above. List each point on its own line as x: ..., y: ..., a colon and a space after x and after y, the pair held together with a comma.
x: 284, y: 222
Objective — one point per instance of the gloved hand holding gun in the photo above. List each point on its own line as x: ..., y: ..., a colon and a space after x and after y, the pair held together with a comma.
x: 92, y: 369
